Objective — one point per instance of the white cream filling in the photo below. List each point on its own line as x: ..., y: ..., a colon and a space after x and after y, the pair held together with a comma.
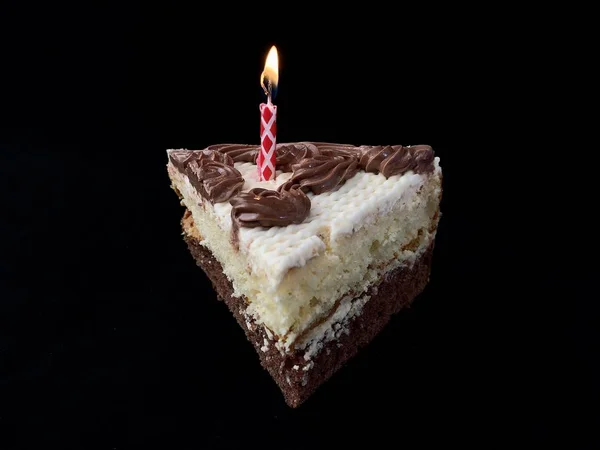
x: 333, y: 327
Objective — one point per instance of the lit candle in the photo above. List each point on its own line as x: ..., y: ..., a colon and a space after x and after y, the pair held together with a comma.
x: 268, y: 118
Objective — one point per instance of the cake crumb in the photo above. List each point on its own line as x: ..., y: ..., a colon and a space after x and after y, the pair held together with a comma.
x: 265, y: 347
x: 296, y: 367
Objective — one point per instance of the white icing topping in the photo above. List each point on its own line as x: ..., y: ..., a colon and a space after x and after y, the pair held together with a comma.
x: 274, y: 251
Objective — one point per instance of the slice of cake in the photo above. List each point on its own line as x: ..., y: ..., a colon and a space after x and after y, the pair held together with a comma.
x: 314, y: 263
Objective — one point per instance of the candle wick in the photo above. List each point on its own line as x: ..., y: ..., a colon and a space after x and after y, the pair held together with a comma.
x: 270, y: 91
x: 267, y: 89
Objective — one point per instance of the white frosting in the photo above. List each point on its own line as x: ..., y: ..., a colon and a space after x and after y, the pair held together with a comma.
x: 274, y: 251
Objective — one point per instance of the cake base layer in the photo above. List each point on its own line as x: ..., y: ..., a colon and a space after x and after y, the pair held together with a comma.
x: 296, y: 377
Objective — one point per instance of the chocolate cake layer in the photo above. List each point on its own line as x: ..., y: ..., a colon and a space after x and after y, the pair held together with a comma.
x: 296, y: 377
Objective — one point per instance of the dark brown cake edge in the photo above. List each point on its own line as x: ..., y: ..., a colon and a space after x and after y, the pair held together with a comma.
x: 396, y: 291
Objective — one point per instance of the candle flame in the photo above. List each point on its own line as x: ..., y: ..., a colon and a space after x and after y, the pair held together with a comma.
x: 270, y: 74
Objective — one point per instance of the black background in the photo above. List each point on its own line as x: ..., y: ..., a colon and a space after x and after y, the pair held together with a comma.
x: 111, y: 337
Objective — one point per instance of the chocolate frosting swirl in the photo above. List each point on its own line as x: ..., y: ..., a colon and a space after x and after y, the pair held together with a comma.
x: 287, y: 155
x: 181, y: 158
x: 238, y: 152
x: 265, y: 208
x: 424, y: 158
x: 333, y: 146
x: 214, y: 180
x: 322, y: 173
x: 397, y: 160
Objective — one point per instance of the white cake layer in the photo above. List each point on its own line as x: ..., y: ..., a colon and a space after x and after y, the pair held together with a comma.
x: 292, y: 276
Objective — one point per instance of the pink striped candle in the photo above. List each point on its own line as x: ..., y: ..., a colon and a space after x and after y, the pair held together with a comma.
x: 268, y: 119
